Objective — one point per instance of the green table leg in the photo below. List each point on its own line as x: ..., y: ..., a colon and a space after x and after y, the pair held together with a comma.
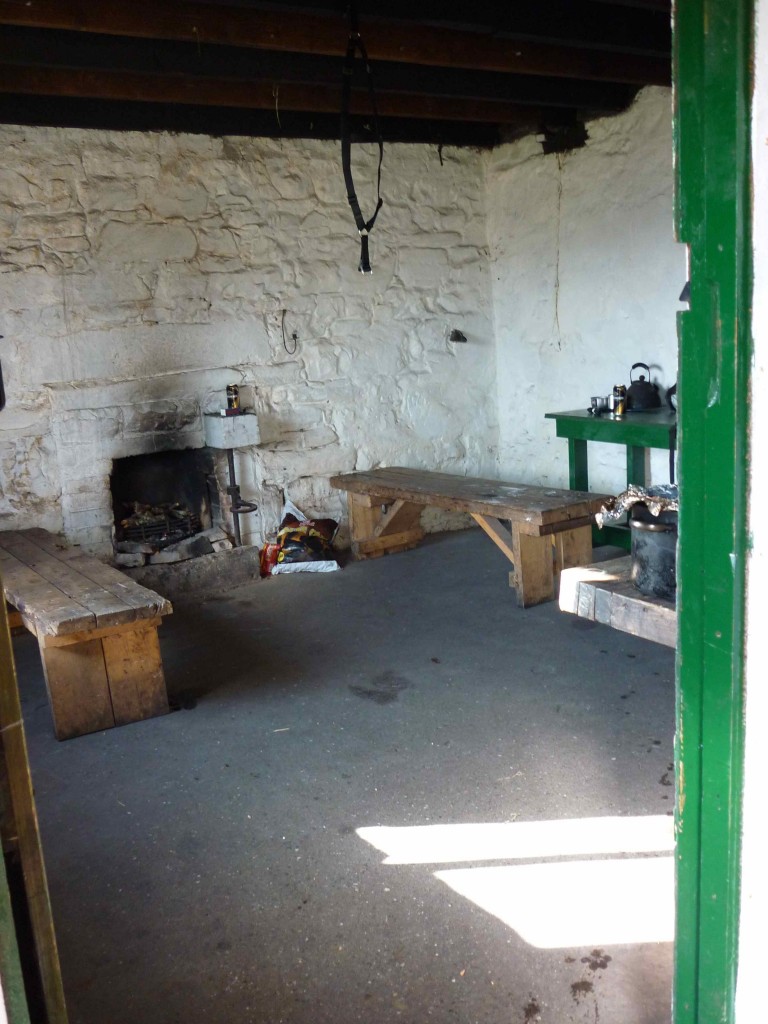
x: 635, y: 465
x: 620, y: 536
x: 578, y: 472
x: 577, y: 464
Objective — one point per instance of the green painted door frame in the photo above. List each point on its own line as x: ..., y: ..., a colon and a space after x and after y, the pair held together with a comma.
x: 712, y: 103
x: 712, y: 78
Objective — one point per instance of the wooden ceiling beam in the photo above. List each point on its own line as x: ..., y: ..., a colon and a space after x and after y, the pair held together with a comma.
x: 565, y: 22
x: 123, y: 85
x: 202, y: 23
x: 662, y: 6
x: 86, y: 51
x: 116, y: 115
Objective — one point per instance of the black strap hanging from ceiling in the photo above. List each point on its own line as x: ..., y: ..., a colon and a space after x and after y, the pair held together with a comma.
x: 355, y: 45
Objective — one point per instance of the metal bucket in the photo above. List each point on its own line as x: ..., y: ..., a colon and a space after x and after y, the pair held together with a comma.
x: 654, y: 545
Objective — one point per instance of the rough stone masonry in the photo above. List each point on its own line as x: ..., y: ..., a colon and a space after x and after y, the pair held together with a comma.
x: 140, y: 273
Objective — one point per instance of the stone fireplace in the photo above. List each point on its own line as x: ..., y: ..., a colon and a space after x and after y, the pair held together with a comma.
x: 162, y: 499
x: 145, y: 272
x: 138, y: 444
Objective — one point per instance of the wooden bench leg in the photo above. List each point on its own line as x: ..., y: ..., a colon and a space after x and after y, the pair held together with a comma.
x: 78, y: 690
x: 572, y: 548
x: 135, y: 675
x: 499, y: 534
x: 531, y: 555
x: 375, y: 533
x: 533, y: 573
x: 107, y: 681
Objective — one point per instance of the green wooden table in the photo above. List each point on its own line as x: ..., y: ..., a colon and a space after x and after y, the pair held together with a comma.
x: 637, y: 431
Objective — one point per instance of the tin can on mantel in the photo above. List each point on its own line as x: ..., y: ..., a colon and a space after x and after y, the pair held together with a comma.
x: 233, y: 396
x: 619, y: 399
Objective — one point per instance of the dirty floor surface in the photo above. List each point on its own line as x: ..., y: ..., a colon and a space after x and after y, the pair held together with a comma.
x: 300, y: 842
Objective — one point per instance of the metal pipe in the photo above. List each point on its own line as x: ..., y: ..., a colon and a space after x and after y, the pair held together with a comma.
x: 234, y: 497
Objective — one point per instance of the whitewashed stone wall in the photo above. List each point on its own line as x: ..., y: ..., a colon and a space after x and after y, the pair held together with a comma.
x: 141, y: 273
x: 586, y: 278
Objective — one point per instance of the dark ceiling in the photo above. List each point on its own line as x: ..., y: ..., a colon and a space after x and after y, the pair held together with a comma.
x: 445, y: 72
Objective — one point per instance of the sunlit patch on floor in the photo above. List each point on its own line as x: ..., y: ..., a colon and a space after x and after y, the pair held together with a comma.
x: 605, y: 897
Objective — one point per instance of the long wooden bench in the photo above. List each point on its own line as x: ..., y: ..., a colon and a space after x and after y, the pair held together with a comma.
x: 550, y: 529
x: 96, y: 628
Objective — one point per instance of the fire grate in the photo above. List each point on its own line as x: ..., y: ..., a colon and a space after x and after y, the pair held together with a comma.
x: 159, y: 525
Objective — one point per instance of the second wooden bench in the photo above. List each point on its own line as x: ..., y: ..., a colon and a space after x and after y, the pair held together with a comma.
x: 96, y: 628
x: 550, y: 529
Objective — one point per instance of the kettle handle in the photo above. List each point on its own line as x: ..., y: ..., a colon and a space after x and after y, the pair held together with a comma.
x: 645, y: 367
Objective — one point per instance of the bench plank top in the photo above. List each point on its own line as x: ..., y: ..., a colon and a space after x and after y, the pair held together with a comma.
x: 539, y: 506
x: 147, y: 603
x: 59, y: 590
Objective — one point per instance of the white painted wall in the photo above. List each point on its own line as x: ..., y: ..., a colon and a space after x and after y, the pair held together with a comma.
x: 586, y: 278
x: 140, y: 273
x: 750, y: 1000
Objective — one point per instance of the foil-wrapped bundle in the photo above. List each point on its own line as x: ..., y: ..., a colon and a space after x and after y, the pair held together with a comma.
x: 658, y: 499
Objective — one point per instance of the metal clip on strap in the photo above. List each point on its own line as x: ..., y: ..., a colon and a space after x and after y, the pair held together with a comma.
x: 364, y: 266
x: 355, y: 43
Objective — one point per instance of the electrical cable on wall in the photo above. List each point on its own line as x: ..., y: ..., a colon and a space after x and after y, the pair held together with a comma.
x: 354, y: 45
x: 294, y: 337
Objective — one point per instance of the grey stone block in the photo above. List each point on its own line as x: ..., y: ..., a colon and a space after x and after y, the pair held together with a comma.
x: 166, y: 556
x: 191, y: 547
x: 213, y: 534
x: 129, y: 560
x: 197, y: 578
x: 134, y: 547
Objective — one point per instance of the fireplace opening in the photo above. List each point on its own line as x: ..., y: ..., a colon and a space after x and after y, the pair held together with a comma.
x: 163, y: 498
x: 158, y: 525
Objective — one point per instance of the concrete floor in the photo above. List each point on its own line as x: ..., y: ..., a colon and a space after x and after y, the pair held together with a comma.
x: 206, y: 866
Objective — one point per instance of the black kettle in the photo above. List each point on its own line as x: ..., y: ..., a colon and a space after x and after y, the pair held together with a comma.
x: 642, y: 394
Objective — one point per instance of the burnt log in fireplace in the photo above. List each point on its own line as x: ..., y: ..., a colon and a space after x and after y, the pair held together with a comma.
x: 162, y: 498
x: 158, y: 525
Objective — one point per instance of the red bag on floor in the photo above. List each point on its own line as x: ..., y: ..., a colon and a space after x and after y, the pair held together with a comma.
x: 303, y: 545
